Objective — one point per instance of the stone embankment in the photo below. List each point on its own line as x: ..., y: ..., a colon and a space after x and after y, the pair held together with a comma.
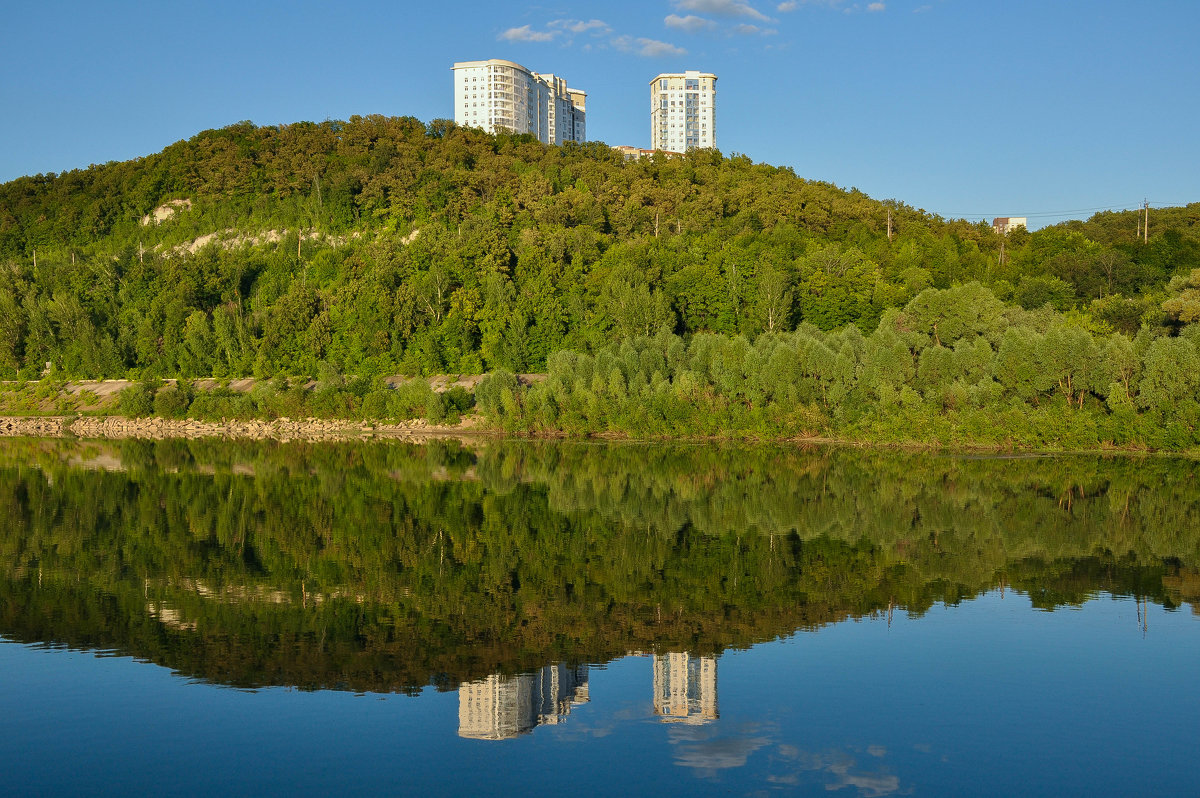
x: 282, y: 429
x: 32, y: 426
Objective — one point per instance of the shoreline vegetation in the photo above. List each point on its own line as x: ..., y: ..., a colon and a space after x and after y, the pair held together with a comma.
x: 952, y: 369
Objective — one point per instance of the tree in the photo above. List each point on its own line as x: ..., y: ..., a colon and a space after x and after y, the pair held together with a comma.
x: 774, y: 301
x: 836, y: 287
x: 196, y: 353
x: 1183, y: 306
x: 1171, y: 374
x: 1036, y: 292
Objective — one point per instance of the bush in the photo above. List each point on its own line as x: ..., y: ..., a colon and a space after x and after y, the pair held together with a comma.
x: 495, y: 395
x: 173, y: 401
x: 222, y: 403
x: 136, y: 401
x: 333, y: 403
x: 435, y: 409
x: 406, y: 401
x: 459, y: 399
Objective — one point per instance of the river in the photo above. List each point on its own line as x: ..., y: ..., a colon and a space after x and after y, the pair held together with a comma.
x: 189, y: 617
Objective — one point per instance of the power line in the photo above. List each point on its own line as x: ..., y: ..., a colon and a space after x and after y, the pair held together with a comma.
x: 1038, y: 214
x: 1135, y: 206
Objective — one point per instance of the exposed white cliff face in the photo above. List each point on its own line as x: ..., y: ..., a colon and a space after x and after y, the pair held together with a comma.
x: 165, y: 211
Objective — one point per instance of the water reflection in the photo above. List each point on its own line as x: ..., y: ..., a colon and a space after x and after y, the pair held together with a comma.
x: 685, y: 688
x: 870, y: 614
x: 390, y: 567
x: 684, y: 697
x: 502, y: 707
x: 840, y: 769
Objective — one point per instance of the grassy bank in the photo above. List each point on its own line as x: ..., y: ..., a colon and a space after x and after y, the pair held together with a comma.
x: 333, y: 396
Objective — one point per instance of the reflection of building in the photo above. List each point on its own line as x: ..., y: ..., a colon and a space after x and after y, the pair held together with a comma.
x: 501, y: 707
x: 1003, y: 224
x: 685, y: 688
x: 503, y: 95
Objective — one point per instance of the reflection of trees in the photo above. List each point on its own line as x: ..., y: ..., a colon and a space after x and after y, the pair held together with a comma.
x: 388, y: 566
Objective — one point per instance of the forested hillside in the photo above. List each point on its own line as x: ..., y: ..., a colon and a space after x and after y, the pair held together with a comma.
x: 385, y: 245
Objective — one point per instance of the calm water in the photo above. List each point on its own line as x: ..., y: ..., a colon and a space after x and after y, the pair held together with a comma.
x: 212, y: 618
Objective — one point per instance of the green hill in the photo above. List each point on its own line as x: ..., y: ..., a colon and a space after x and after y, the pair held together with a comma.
x: 385, y: 245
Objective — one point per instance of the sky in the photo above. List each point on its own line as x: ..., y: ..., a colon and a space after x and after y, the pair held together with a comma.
x: 1048, y: 109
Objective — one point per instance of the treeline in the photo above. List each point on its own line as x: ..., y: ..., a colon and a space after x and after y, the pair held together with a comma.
x: 385, y: 245
x: 391, y: 566
x: 954, y: 366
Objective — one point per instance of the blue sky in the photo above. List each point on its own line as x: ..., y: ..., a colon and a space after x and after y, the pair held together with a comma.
x: 962, y: 108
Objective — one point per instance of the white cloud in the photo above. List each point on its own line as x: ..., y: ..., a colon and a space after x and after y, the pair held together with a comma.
x: 650, y: 48
x: 876, y: 7
x: 691, y: 23
x: 526, y: 34
x: 790, y: 5
x: 596, y: 26
x: 727, y: 8
x: 746, y: 30
x: 753, y: 30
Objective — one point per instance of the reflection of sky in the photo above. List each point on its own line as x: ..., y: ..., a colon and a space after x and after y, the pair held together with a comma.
x: 712, y: 748
x: 984, y: 697
x: 841, y: 769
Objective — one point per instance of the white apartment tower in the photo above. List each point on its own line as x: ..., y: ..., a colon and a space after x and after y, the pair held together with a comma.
x: 502, y: 95
x: 683, y: 111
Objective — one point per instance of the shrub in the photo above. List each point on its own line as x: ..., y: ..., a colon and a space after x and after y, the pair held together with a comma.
x: 496, y: 394
x: 136, y: 401
x: 222, y: 403
x: 173, y: 401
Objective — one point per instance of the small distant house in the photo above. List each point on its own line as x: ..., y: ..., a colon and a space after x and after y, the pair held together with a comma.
x: 637, y: 153
x: 1004, y: 224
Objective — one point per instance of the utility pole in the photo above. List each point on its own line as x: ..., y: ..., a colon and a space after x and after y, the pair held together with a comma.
x: 889, y: 225
x: 1146, y: 226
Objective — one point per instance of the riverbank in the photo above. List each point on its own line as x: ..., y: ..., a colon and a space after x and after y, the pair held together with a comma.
x: 281, y: 429
x: 471, y: 429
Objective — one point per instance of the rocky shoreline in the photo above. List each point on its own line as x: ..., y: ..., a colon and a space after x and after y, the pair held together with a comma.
x: 281, y: 429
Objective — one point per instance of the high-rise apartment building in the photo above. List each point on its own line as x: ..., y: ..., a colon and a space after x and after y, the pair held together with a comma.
x: 502, y: 95
x: 683, y: 111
